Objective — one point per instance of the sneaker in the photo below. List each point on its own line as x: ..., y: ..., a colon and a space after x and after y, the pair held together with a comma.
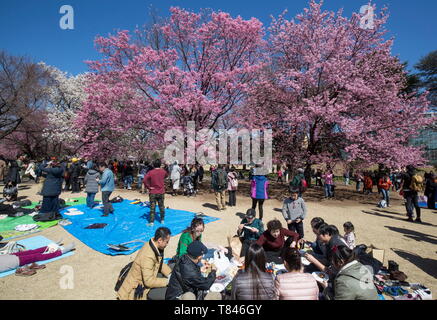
x: 151, y: 224
x: 162, y: 221
x: 418, y: 220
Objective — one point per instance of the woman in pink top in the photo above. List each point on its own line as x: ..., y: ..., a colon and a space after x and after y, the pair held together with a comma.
x: 295, y: 285
x: 329, y: 183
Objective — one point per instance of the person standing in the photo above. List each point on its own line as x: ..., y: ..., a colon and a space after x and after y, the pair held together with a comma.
x: 154, y: 181
x: 299, y: 182
x: 92, y: 185
x: 346, y: 177
x: 107, y: 186
x: 201, y: 172
x: 52, y: 188
x: 14, y: 172
x: 431, y: 190
x: 219, y: 184
x: 294, y: 211
x: 359, y: 180
x: 3, y: 167
x: 148, y: 277
x: 329, y: 183
x: 75, y: 173
x: 232, y: 187
x: 410, y: 188
x: 128, y: 175
x: 175, y: 177
x: 259, y: 190
x: 384, y: 185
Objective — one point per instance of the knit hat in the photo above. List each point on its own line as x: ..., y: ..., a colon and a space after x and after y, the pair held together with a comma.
x: 196, y: 249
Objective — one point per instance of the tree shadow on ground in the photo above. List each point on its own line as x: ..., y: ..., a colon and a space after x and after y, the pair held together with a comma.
x: 418, y: 236
x: 426, y: 265
x: 395, y: 218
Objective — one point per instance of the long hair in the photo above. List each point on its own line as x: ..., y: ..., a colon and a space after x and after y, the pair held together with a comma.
x: 194, y: 224
x: 255, y: 266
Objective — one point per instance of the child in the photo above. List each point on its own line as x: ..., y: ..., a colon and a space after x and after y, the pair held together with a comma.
x: 294, y: 211
x: 349, y: 236
x: 10, y: 191
x: 280, y: 173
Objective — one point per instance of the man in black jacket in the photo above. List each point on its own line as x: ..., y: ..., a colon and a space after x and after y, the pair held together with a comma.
x: 186, y: 281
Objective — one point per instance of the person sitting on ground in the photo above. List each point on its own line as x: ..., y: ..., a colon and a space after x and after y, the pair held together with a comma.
x: 249, y: 230
x: 295, y: 284
x: 294, y: 211
x: 148, y: 272
x: 29, y: 257
x: 273, y: 240
x: 329, y: 235
x: 186, y: 281
x: 190, y: 234
x: 254, y: 283
x: 353, y: 281
x: 10, y: 191
x: 349, y: 235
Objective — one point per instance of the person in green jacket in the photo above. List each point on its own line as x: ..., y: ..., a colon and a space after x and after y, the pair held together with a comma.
x: 249, y: 230
x: 353, y: 281
x: 296, y: 183
x: 192, y: 233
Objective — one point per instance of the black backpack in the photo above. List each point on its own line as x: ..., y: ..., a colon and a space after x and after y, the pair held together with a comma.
x: 123, y: 275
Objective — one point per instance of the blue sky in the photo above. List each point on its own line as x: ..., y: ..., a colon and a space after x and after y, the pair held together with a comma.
x: 31, y: 27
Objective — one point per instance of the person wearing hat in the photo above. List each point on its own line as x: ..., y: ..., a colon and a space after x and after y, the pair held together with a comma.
x: 186, y: 281
x: 52, y: 189
x: 249, y: 230
x: 294, y: 211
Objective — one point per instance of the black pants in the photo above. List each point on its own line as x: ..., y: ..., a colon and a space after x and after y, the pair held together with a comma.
x: 260, y: 206
x: 153, y: 198
x: 276, y: 256
x: 297, y: 227
x: 76, y: 184
x: 431, y: 199
x: 412, y: 202
x: 50, y: 204
x: 107, y: 206
x: 233, y: 198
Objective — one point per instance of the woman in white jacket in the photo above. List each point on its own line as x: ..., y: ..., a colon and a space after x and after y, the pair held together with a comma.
x: 30, y: 170
x: 175, y: 177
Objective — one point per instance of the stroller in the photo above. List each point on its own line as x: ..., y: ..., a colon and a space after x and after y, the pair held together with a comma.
x: 188, y: 185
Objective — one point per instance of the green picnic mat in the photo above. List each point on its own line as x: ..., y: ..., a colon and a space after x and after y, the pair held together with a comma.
x: 7, y: 225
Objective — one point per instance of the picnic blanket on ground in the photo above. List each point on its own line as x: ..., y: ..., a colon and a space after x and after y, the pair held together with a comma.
x: 34, y: 243
x: 423, y: 204
x: 128, y: 223
x: 7, y: 225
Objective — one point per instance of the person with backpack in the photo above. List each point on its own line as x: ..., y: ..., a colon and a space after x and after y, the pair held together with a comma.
x: 412, y: 184
x: 219, y: 184
x: 148, y: 276
x: 259, y: 190
x: 431, y: 190
x: 384, y: 185
x: 232, y: 187
x: 299, y: 182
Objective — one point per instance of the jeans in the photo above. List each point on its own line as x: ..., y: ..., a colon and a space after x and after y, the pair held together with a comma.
x: 233, y: 198
x: 328, y: 191
x: 153, y: 198
x: 128, y: 180
x: 140, y: 181
x: 90, y: 200
x: 358, y: 186
x: 412, y: 202
x: 107, y: 206
x: 386, y: 196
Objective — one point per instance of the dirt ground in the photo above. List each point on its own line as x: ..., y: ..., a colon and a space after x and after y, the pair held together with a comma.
x: 411, y: 245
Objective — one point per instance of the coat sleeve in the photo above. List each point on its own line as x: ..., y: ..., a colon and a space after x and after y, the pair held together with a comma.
x: 343, y: 291
x: 198, y: 281
x: 261, y: 240
x: 149, y: 278
x: 304, y: 209
x: 183, y: 245
x: 166, y: 270
x: 292, y: 234
x: 285, y: 211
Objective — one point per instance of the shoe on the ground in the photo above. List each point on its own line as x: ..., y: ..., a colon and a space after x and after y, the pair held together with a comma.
x: 410, y: 219
x: 418, y: 220
x: 25, y: 272
x: 35, y: 266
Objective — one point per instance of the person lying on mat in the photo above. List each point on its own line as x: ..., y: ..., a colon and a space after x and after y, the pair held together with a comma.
x: 273, y: 240
x: 148, y: 276
x: 190, y: 234
x: 187, y: 281
x: 29, y: 257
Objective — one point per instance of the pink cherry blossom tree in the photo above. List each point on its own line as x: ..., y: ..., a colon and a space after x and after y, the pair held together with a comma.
x: 191, y: 67
x: 333, y: 91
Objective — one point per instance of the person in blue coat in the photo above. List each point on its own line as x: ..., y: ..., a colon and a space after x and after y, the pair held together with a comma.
x: 52, y: 187
x: 259, y: 190
x: 107, y: 184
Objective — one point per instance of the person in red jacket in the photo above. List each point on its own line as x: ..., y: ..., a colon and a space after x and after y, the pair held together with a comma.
x: 384, y: 184
x: 273, y: 240
x: 154, y: 181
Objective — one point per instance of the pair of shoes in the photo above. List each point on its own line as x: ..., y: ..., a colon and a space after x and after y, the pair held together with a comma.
x: 35, y: 266
x: 25, y: 272
x: 151, y: 224
x: 418, y: 220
